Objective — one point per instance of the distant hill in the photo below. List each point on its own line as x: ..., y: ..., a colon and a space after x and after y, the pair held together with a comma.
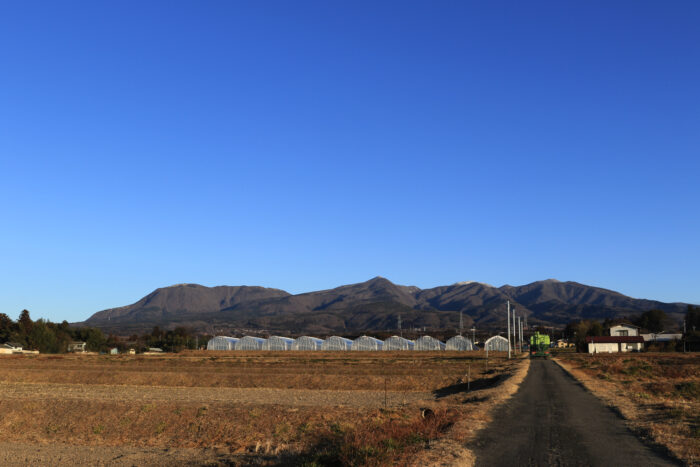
x: 369, y: 306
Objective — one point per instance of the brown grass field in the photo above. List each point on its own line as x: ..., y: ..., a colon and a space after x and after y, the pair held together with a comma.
x: 247, y: 408
x: 658, y: 393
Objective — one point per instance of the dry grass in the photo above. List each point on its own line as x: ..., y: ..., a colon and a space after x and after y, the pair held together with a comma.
x: 659, y: 394
x: 255, y: 404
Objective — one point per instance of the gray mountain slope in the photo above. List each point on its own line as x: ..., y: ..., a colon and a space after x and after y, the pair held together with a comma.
x: 371, y: 305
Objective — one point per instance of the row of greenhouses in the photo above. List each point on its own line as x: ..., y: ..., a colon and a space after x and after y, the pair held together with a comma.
x: 367, y: 343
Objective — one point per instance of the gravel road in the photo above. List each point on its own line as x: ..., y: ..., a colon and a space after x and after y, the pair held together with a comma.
x: 552, y: 420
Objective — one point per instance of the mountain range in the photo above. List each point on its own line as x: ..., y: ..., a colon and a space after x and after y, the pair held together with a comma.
x: 374, y: 305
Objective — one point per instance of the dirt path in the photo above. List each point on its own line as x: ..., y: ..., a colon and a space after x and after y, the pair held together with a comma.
x: 244, y: 396
x: 552, y: 420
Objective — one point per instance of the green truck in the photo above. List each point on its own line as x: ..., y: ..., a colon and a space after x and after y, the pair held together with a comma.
x: 539, y: 345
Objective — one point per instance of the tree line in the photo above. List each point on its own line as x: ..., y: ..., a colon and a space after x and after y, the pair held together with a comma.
x: 48, y: 337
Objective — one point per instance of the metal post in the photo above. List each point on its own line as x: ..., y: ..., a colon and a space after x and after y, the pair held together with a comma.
x: 508, y: 319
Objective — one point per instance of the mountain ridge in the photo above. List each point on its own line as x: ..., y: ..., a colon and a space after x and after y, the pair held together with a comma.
x: 372, y: 305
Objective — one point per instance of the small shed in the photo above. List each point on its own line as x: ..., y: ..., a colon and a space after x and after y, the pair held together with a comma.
x: 249, y: 343
x: 278, y: 343
x: 114, y: 351
x: 429, y: 343
x: 222, y: 343
x: 77, y: 347
x: 336, y: 343
x: 460, y: 343
x: 496, y: 344
x: 398, y: 343
x: 367, y: 343
x: 307, y: 343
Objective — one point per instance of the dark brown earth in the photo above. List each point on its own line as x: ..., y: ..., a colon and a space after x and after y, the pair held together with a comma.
x: 552, y: 420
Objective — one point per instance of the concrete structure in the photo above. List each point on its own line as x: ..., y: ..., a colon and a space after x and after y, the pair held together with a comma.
x: 612, y: 344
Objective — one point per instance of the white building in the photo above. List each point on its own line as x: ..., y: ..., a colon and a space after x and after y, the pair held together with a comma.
x: 612, y: 344
x: 624, y: 329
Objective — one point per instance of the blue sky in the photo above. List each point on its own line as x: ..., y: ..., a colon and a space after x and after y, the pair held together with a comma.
x: 305, y: 145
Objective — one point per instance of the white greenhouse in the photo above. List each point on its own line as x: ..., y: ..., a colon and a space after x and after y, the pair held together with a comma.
x: 367, y: 343
x: 398, y: 343
x: 336, y: 343
x: 459, y: 343
x: 429, y: 343
x: 307, y: 343
x: 496, y: 344
x: 250, y: 343
x: 278, y: 343
x: 222, y: 343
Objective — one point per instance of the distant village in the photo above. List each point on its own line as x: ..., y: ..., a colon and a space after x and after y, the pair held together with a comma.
x: 25, y: 336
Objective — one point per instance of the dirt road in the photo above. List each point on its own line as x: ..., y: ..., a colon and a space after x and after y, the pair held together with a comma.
x: 552, y: 420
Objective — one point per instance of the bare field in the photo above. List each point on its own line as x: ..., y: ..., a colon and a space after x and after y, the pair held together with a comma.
x: 658, y: 393
x: 249, y: 407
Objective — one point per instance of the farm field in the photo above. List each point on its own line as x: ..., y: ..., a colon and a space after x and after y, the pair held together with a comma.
x: 658, y: 393
x: 247, y: 408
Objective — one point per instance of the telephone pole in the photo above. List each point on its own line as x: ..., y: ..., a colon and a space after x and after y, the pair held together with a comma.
x: 508, y: 320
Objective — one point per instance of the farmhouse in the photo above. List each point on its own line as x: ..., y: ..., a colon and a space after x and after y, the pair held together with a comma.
x: 610, y: 344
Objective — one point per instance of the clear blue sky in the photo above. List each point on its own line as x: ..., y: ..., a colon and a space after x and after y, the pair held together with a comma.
x: 305, y: 145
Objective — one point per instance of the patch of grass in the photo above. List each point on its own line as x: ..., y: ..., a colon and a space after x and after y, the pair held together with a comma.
x: 689, y: 389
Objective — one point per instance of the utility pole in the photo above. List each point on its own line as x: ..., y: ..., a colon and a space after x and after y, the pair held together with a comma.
x: 461, y: 323
x: 400, y: 331
x: 508, y: 320
x: 473, y: 336
x: 521, y: 336
x: 515, y: 338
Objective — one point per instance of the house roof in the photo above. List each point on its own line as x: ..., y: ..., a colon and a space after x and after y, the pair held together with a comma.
x: 615, y: 339
x: 13, y: 345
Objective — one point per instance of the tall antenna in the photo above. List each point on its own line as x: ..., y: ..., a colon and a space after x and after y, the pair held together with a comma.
x: 461, y: 323
x: 400, y: 332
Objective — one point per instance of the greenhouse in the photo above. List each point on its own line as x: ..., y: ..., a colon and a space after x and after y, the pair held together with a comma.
x: 250, y: 343
x: 222, y: 343
x: 367, y: 343
x: 398, y: 343
x: 459, y: 343
x: 496, y: 344
x: 336, y: 343
x: 429, y: 343
x: 278, y: 343
x: 307, y: 343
